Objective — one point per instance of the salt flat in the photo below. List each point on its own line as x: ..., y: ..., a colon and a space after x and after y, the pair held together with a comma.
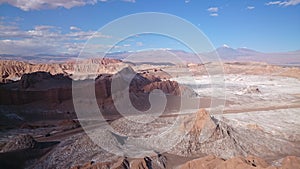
x: 248, y: 92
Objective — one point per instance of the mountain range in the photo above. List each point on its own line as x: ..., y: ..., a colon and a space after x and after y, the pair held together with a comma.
x: 225, y: 53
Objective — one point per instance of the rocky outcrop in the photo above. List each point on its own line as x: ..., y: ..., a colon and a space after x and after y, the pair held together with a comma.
x: 118, y: 164
x: 37, y: 86
x: 77, y: 151
x: 44, y: 80
x: 206, y: 136
x: 127, y: 77
x: 19, y: 143
x: 156, y: 162
x: 230, y: 146
x: 139, y: 88
x: 29, y: 80
x: 207, y: 162
x: 124, y: 163
x: 251, y: 162
x: 169, y: 87
x: 43, y: 86
x: 290, y: 162
x: 14, y: 70
x: 155, y: 73
x: 23, y: 150
x: 232, y: 135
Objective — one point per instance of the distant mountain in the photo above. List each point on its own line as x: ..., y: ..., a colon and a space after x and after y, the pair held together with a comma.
x: 160, y: 56
x: 40, y: 58
x: 165, y: 56
x: 248, y: 51
x: 227, y: 53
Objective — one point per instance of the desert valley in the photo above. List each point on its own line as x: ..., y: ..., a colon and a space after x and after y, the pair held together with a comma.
x: 252, y: 123
x: 160, y: 84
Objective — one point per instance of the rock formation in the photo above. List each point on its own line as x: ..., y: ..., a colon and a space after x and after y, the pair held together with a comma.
x: 251, y: 162
x: 19, y: 143
x: 37, y: 86
x: 13, y: 70
x: 227, y: 138
x: 43, y: 86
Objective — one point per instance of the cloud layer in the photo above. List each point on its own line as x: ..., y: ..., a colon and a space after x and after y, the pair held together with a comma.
x: 213, y: 11
x: 27, y: 5
x: 284, y: 3
x: 250, y: 7
x: 44, y: 39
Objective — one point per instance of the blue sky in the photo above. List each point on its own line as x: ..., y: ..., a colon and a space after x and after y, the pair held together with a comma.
x: 63, y: 26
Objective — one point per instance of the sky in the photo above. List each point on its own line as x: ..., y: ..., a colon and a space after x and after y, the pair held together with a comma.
x: 62, y: 27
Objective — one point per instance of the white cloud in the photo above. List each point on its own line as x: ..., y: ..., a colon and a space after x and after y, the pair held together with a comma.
x: 74, y: 28
x: 187, y: 1
x: 43, y: 27
x: 292, y: 2
x: 42, y: 39
x: 47, y: 4
x: 226, y: 46
x: 132, y: 1
x: 46, y: 31
x: 274, y: 3
x: 250, y: 7
x: 214, y: 14
x: 82, y: 35
x: 284, y: 3
x: 213, y: 9
x: 27, y: 5
x: 91, y: 49
x: 28, y: 47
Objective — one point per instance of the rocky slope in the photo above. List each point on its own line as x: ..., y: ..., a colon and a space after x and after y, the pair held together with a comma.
x: 41, y: 95
x: 207, y: 162
x: 19, y: 143
x: 250, y: 162
x: 231, y: 135
x: 230, y: 144
x: 37, y: 86
x: 267, y: 138
x: 11, y: 70
x: 43, y: 86
x: 22, y: 151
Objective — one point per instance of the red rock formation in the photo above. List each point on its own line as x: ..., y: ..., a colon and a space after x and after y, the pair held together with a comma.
x: 251, y: 162
x: 168, y: 87
x: 119, y: 164
x: 13, y: 70
x: 207, y: 162
x: 38, y: 86
x: 291, y: 162
x: 42, y: 86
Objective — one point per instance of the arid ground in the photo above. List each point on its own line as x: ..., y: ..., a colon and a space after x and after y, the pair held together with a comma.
x: 248, y: 119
